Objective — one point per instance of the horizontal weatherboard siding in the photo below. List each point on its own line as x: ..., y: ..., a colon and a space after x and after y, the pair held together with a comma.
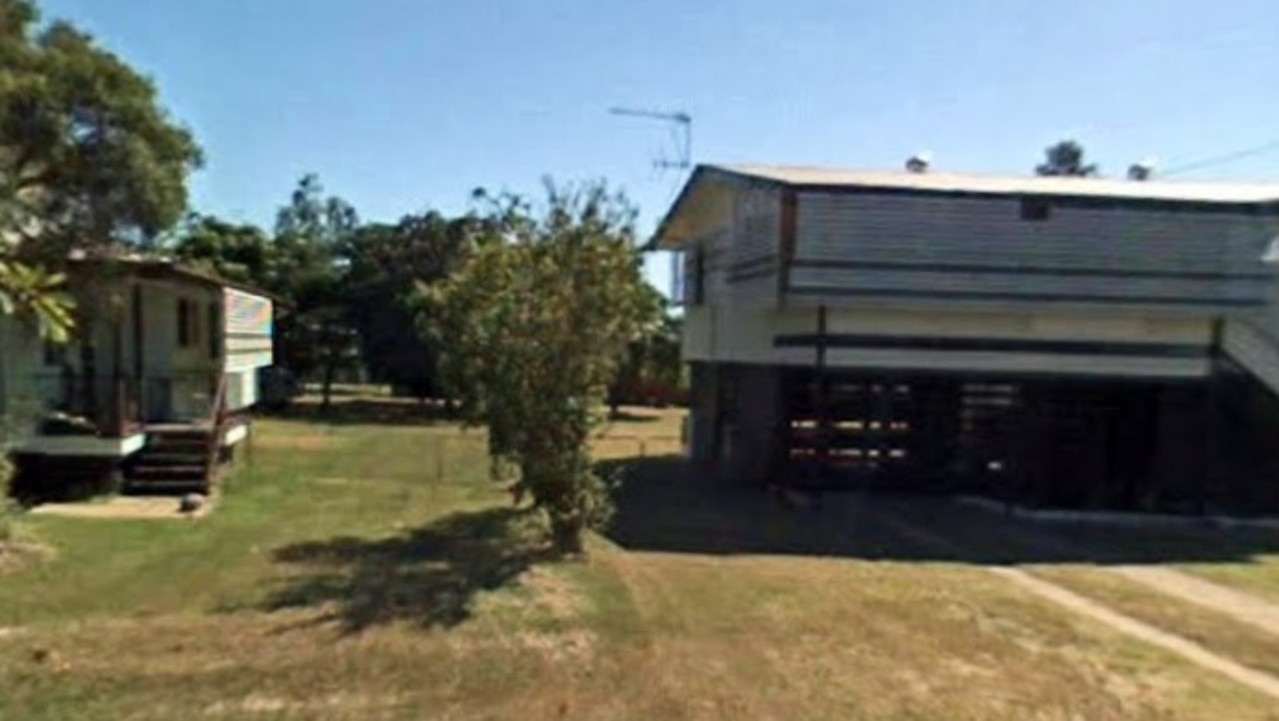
x: 1029, y: 297
x: 980, y: 249
x: 1002, y: 345
x: 765, y: 266
x: 1261, y: 276
x: 756, y: 219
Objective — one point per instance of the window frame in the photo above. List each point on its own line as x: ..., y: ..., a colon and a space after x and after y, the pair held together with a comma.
x: 184, y: 323
x: 215, y: 328
x: 1036, y: 209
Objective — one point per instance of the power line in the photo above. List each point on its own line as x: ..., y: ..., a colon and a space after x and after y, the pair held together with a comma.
x: 1222, y: 159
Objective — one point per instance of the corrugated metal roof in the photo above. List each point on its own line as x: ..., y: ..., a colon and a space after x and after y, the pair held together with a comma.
x: 143, y: 263
x: 1156, y: 190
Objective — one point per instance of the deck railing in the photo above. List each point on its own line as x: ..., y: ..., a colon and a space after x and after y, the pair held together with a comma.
x: 115, y: 406
x: 180, y: 397
x: 102, y: 405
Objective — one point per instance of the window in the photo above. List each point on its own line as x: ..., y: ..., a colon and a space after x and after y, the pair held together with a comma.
x: 215, y: 334
x: 184, y: 323
x: 1035, y: 209
x: 55, y: 354
x: 699, y: 277
x: 188, y: 323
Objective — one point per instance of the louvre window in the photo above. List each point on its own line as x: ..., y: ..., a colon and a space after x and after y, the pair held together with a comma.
x: 1035, y: 209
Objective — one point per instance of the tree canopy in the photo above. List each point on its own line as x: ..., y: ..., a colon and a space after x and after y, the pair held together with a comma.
x: 385, y: 263
x: 87, y: 153
x: 532, y: 329
x: 88, y: 157
x: 239, y: 252
x: 1066, y: 158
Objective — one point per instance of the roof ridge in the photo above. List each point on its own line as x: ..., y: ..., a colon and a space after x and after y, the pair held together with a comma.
x: 993, y: 184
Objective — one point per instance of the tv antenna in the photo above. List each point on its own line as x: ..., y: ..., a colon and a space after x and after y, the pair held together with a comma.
x: 681, y: 126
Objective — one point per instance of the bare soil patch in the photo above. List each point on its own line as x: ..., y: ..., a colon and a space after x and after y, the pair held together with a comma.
x: 125, y: 507
x: 17, y: 555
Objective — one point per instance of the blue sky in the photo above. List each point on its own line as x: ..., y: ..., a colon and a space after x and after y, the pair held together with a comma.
x: 401, y: 105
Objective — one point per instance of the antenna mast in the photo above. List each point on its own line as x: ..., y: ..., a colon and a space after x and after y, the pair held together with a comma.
x: 681, y: 125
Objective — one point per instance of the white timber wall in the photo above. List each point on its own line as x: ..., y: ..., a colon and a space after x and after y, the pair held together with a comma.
x: 981, y: 251
x: 747, y: 335
x: 754, y: 245
x: 177, y: 377
x: 738, y: 251
x: 249, y: 329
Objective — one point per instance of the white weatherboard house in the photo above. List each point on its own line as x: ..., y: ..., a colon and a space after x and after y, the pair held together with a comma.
x: 1050, y: 341
x: 153, y: 391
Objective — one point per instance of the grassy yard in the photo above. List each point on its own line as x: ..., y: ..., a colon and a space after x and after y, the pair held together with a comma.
x: 367, y: 569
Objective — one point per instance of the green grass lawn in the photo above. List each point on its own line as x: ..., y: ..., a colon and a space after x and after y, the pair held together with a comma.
x: 371, y: 571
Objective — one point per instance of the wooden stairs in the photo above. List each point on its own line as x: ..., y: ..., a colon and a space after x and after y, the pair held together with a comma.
x: 175, y: 460
x: 181, y: 458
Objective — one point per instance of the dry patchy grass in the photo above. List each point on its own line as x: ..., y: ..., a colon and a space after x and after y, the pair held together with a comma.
x: 378, y: 574
x: 1230, y: 638
x: 1260, y: 576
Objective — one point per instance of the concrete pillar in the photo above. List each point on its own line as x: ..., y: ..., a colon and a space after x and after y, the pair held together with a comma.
x: 702, y: 411
x: 754, y: 446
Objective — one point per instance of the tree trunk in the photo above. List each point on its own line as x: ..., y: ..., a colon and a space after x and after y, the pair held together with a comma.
x: 330, y: 369
x: 614, y: 403
x: 567, y: 535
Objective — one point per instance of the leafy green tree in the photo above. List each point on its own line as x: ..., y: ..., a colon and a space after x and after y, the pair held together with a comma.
x: 384, y: 265
x: 651, y: 368
x: 31, y: 292
x: 1066, y: 158
x: 238, y: 252
x: 87, y: 154
x: 302, y: 264
x: 317, y: 336
x: 87, y: 158
x: 532, y: 329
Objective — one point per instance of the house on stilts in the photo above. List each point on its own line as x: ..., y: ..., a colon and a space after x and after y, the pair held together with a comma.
x: 1054, y: 342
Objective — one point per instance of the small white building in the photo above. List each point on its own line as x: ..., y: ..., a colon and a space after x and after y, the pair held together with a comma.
x: 151, y: 393
x: 1049, y: 340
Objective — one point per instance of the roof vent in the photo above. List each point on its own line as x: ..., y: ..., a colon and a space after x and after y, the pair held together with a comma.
x: 919, y: 162
x: 1141, y: 170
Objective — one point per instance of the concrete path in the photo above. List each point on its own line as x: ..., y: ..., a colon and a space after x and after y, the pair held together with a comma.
x: 1183, y: 647
x: 1189, y: 650
x: 1238, y: 605
x: 125, y: 507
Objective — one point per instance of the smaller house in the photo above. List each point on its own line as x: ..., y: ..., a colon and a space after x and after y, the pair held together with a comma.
x: 153, y: 393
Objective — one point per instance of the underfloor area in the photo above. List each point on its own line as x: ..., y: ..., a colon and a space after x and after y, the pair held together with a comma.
x: 1182, y: 446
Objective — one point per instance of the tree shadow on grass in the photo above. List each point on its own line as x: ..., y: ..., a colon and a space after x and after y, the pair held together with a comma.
x: 428, y: 576
x: 624, y: 415
x: 671, y: 505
